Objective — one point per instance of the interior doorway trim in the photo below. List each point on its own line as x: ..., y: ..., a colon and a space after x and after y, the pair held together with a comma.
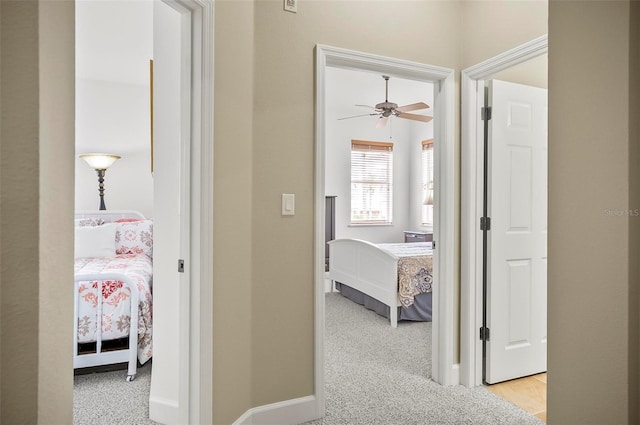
x: 443, y: 370
x: 199, y: 395
x: 471, y: 202
x: 201, y: 348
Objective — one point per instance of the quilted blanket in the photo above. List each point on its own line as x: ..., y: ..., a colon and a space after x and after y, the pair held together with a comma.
x: 116, y: 300
x: 415, y: 269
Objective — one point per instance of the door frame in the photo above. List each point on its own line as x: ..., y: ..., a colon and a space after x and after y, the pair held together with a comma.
x: 198, y: 394
x: 443, y: 369
x: 471, y: 202
x: 201, y: 312
x: 202, y: 143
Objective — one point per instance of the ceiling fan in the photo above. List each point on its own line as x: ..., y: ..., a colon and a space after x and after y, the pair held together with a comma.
x: 386, y: 109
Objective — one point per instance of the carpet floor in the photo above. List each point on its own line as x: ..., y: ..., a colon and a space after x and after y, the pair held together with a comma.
x: 375, y: 374
x: 105, y: 398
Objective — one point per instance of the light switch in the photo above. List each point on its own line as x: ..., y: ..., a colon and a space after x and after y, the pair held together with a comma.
x: 291, y: 5
x: 288, y: 204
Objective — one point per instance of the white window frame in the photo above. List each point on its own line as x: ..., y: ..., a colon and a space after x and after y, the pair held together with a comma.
x: 372, y: 165
x: 426, y: 171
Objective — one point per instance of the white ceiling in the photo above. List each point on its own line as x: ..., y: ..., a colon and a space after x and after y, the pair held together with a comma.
x: 114, y: 40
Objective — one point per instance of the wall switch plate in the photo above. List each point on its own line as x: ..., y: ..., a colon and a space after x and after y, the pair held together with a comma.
x: 288, y: 204
x: 291, y: 5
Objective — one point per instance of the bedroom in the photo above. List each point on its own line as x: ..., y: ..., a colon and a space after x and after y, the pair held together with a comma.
x: 113, y: 116
x: 398, y: 207
x: 346, y: 89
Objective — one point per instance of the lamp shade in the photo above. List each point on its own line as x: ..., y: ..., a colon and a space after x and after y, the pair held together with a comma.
x: 99, y: 161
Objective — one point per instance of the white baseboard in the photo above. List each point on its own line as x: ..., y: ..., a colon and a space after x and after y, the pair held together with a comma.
x: 289, y: 412
x: 163, y: 411
x: 455, y: 374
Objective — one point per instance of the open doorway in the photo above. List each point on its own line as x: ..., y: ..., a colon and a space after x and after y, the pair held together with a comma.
x: 442, y: 79
x: 190, y: 358
x: 379, y: 180
x: 525, y: 69
x: 112, y: 116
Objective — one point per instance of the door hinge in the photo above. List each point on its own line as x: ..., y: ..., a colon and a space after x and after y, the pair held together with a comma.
x: 180, y: 266
x: 485, y: 113
x: 485, y: 223
x: 484, y: 334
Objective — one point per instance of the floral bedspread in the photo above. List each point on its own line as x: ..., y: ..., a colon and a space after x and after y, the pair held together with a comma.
x: 116, y: 308
x: 415, y: 268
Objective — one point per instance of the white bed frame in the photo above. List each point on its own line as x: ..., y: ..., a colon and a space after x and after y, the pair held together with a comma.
x: 367, y: 268
x: 100, y: 358
x: 109, y: 215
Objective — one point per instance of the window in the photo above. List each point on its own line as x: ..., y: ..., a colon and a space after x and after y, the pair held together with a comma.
x: 427, y: 182
x: 371, y: 182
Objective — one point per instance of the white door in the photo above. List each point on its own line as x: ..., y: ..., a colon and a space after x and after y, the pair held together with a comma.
x: 517, y: 256
x: 169, y: 393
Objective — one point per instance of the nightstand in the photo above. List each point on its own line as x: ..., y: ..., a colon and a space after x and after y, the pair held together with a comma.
x: 417, y: 236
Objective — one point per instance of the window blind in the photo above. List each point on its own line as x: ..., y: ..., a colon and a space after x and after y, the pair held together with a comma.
x: 427, y: 181
x: 371, y: 182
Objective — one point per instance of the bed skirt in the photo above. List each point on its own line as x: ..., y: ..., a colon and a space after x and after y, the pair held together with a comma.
x: 419, y: 311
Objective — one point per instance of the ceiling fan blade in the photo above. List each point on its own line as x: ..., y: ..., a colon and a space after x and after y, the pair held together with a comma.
x: 382, y: 122
x: 415, y: 117
x: 356, y: 116
x: 412, y: 107
x: 367, y: 106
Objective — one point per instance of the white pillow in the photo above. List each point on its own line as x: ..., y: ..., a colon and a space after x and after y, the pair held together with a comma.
x: 95, y: 241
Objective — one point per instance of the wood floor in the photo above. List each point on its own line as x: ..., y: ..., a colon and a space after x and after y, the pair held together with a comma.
x: 529, y: 393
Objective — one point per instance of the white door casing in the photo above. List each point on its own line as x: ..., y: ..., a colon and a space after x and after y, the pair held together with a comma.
x: 471, y: 201
x: 443, y: 369
x: 169, y: 393
x: 193, y: 351
x: 517, y: 240
x: 195, y: 391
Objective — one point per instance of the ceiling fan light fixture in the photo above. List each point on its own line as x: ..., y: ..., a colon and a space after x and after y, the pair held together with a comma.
x: 387, y: 109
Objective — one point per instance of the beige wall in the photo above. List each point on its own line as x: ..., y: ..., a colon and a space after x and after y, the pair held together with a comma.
x: 233, y: 209
x: 531, y: 73
x: 1, y: 135
x: 36, y: 143
x: 634, y: 222
x: 490, y: 27
x: 278, y: 89
x: 283, y: 152
x: 589, y: 353
x: 56, y: 153
x: 19, y: 212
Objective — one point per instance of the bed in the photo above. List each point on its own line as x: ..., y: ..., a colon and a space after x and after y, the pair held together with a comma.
x: 113, y: 274
x: 395, y: 280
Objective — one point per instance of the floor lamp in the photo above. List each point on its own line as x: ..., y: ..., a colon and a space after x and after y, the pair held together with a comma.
x: 100, y: 162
